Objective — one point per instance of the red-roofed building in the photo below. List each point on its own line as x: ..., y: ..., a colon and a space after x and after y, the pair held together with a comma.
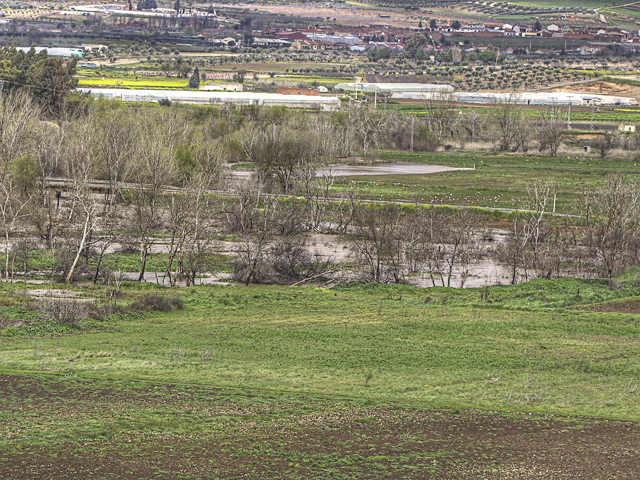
x: 290, y: 36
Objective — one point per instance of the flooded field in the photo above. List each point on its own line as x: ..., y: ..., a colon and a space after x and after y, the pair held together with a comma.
x: 368, y: 170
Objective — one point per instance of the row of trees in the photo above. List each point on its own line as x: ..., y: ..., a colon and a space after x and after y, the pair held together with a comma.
x: 144, y: 151
x: 48, y: 79
x: 146, y: 180
x: 600, y: 241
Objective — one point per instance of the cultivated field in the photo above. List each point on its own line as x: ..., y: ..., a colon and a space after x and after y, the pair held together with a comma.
x: 243, y: 291
x: 354, y: 382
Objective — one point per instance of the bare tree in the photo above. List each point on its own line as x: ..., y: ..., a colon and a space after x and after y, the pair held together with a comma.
x: 514, y: 250
x: 18, y: 113
x: 190, y: 213
x: 605, y: 143
x: 370, y: 125
x: 155, y: 169
x: 17, y: 117
x: 252, y: 262
x: 551, y: 131
x: 512, y: 126
x: 246, y: 140
x: 13, y: 214
x: 541, y: 194
x: 281, y: 155
x: 449, y: 244
x: 345, y: 207
x: 45, y: 213
x: 441, y: 116
x: 114, y: 146
x: 376, y: 228
x: 317, y: 195
x: 80, y: 168
x: 610, y: 216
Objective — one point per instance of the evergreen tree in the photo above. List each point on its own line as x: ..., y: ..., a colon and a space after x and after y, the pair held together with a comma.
x: 50, y: 78
x: 413, y: 44
x: 194, y: 81
x: 147, y: 4
x: 176, y: 6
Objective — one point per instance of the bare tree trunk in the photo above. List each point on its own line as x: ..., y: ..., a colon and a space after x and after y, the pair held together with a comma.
x: 81, y: 246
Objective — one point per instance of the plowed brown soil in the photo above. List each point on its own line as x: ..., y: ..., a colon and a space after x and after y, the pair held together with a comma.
x: 604, y: 88
x: 199, y: 433
x: 626, y: 306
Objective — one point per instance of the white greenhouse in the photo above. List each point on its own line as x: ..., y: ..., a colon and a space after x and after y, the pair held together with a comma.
x: 55, y: 51
x: 535, y: 98
x: 393, y: 87
x: 216, y: 98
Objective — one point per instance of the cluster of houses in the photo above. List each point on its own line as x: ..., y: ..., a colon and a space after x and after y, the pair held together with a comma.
x: 593, y: 39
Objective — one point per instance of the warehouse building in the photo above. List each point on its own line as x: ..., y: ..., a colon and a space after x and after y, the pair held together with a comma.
x: 216, y: 98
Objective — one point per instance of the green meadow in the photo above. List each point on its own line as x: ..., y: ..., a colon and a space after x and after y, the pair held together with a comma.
x: 499, y: 180
x: 524, y: 347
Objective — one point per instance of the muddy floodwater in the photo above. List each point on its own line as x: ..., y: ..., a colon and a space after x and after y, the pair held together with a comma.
x: 390, y: 169
x: 371, y: 170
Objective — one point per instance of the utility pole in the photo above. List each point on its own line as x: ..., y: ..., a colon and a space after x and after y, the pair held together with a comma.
x: 375, y: 98
x: 569, y: 118
x: 274, y: 132
x: 473, y: 126
x: 591, y: 126
x: 413, y: 121
x: 1, y: 87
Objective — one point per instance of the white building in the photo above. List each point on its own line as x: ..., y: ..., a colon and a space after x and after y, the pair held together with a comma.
x: 216, y: 98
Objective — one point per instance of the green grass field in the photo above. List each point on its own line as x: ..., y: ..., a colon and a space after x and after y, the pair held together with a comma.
x: 361, y: 381
x: 499, y: 180
x: 602, y: 115
x: 522, y: 349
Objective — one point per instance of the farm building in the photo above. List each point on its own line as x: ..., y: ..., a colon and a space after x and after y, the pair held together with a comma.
x: 393, y: 87
x: 223, y: 87
x: 216, y: 98
x: 56, y: 51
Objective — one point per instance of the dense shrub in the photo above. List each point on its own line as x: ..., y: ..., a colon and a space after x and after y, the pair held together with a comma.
x: 155, y: 302
x: 61, y: 309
